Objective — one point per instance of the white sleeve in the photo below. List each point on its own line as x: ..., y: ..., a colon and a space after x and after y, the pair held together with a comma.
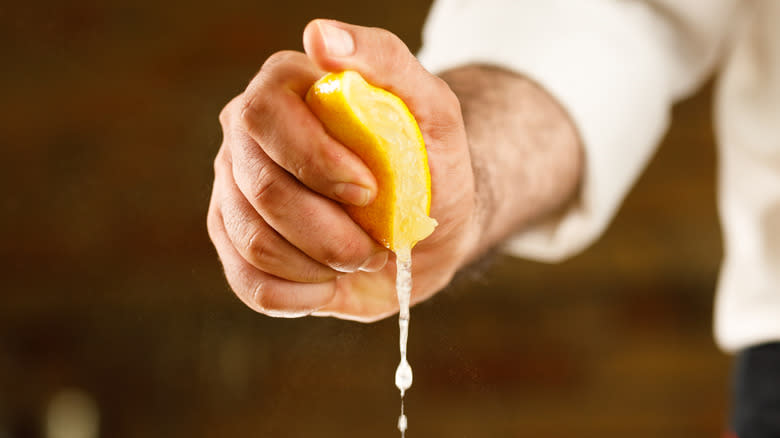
x: 615, y: 66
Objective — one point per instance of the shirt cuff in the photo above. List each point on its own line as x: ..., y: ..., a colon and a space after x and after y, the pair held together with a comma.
x: 596, y: 60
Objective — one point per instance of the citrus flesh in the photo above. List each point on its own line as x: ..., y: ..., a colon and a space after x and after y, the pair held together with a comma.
x: 378, y: 127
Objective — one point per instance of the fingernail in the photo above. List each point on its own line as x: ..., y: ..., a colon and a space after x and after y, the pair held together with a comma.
x: 375, y: 262
x: 352, y: 194
x: 338, y: 42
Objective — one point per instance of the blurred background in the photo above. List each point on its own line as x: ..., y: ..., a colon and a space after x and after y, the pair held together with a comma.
x: 116, y: 321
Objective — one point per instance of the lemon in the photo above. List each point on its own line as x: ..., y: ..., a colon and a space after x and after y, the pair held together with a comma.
x: 378, y: 127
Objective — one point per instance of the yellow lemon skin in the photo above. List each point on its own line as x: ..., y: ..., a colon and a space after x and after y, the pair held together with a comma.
x: 378, y: 127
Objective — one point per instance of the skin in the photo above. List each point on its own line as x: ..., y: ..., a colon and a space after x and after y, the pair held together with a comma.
x: 502, y: 154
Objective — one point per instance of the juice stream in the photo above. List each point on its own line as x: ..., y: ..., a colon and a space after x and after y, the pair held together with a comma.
x: 403, y: 287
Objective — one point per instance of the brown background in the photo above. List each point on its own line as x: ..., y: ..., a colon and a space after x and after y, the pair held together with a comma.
x: 110, y: 285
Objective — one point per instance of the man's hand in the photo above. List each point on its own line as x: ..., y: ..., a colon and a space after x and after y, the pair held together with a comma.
x: 287, y: 246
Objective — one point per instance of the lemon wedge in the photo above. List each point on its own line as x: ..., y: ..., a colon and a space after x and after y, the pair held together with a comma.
x: 378, y: 127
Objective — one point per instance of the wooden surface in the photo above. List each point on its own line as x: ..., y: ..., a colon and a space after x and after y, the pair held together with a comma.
x: 110, y: 285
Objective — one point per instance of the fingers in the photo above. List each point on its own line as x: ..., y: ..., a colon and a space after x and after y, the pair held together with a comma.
x: 260, y: 291
x: 384, y: 60
x: 317, y: 226
x: 256, y: 242
x: 277, y: 118
x: 362, y: 297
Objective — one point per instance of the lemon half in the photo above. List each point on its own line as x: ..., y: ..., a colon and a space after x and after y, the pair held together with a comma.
x: 378, y: 127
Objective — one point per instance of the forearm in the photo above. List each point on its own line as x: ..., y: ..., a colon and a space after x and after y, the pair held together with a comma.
x: 525, y: 151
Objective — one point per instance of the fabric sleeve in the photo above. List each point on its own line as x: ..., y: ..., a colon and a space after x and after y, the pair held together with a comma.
x: 615, y: 66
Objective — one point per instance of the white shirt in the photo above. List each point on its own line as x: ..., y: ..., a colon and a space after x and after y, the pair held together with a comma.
x: 618, y: 67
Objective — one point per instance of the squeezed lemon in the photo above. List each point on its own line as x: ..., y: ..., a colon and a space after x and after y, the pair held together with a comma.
x: 378, y: 127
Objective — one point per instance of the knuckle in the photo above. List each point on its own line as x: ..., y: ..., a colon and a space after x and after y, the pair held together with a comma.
x: 253, y: 109
x: 277, y: 60
x: 446, y: 114
x: 313, y: 164
x: 262, y: 250
x: 266, y: 187
x: 271, y: 190
x: 226, y: 114
x: 221, y: 162
x: 258, y: 99
x: 331, y: 153
x: 264, y: 297
x: 257, y: 246
x: 394, y: 51
x: 315, y: 273
x: 249, y: 288
x: 344, y: 253
x: 389, y: 39
x: 305, y: 167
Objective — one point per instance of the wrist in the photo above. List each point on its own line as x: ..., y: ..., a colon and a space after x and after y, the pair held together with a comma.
x: 526, y: 154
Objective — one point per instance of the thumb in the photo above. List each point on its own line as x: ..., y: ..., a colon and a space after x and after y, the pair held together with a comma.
x: 377, y: 54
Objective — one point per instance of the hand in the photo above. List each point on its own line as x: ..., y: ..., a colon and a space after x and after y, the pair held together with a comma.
x: 287, y: 246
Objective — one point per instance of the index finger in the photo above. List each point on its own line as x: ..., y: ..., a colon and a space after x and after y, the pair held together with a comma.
x: 277, y: 118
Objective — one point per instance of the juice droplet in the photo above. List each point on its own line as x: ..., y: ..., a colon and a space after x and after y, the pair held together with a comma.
x: 403, y: 376
x: 402, y: 423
